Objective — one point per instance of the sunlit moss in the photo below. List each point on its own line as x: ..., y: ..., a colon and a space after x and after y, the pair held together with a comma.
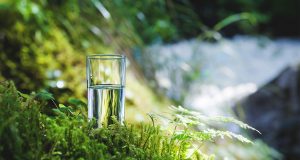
x: 29, y: 129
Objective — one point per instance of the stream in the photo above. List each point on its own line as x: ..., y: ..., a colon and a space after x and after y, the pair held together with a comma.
x: 212, y: 77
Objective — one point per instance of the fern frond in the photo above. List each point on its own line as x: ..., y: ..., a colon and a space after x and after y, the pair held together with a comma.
x: 190, y: 119
x: 232, y: 120
x: 222, y: 134
x: 197, y: 118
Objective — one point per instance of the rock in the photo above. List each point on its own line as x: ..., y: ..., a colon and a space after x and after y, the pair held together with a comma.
x: 274, y: 110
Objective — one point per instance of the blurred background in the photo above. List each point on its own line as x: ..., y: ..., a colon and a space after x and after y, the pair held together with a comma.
x: 237, y: 58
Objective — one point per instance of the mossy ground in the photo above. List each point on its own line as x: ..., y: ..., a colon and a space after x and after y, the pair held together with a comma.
x: 30, y: 129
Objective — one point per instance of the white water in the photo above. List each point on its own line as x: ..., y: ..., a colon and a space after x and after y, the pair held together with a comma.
x: 229, y: 70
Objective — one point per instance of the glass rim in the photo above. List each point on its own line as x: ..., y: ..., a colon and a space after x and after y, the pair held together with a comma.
x: 105, y: 56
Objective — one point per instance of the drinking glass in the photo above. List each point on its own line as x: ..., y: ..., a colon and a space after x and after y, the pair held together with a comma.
x: 106, y: 88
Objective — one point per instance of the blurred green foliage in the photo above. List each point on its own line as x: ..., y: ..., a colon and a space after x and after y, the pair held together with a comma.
x: 44, y: 42
x: 275, y: 17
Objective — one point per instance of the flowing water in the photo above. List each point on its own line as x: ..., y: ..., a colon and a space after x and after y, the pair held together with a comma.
x: 211, y: 77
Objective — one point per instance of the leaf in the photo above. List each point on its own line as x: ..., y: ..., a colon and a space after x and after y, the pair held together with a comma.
x: 44, y: 95
x: 193, y: 117
x: 24, y: 95
x: 182, y: 136
x: 58, y: 112
x: 235, y: 18
x: 232, y: 120
x: 76, y: 102
x: 222, y: 134
x: 65, y: 109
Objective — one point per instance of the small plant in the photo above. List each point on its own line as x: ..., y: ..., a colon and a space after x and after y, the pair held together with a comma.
x: 192, y: 129
x: 30, y: 130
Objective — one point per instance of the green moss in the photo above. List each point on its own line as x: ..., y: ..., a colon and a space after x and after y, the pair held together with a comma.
x: 31, y: 129
x: 28, y: 130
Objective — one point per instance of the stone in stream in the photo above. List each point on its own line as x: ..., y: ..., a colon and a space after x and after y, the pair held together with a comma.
x: 274, y: 110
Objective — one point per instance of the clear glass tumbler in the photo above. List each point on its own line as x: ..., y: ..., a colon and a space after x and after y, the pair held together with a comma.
x: 106, y: 88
